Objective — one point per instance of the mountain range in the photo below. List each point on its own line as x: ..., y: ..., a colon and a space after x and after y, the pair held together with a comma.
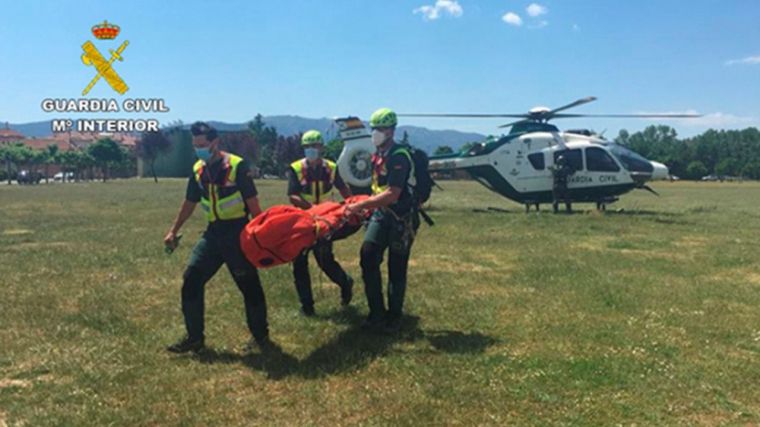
x: 420, y: 137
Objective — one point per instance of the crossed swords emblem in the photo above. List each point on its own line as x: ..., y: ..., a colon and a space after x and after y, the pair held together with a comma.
x: 92, y: 57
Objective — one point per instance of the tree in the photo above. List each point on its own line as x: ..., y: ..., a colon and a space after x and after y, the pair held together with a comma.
x: 35, y: 159
x: 76, y: 161
x: 442, y: 149
x: 127, y: 165
x: 150, y: 146
x: 51, y: 157
x: 287, y: 151
x: 267, y: 139
x: 333, y: 149
x: 68, y: 162
x: 751, y: 170
x: 8, y: 156
x: 106, y: 153
x: 467, y: 146
x: 241, y: 143
x: 696, y: 170
x: 16, y: 156
x: 726, y: 167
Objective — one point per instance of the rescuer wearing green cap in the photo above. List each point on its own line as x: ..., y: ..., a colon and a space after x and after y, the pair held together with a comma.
x: 393, y: 224
x: 222, y: 183
x: 312, y: 181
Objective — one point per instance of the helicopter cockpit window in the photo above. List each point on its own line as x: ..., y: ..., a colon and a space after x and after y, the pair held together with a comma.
x: 537, y: 161
x: 632, y: 161
x: 573, y: 157
x: 597, y: 160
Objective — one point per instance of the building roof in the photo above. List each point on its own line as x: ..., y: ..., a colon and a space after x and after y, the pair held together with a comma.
x: 8, y: 134
x: 83, y: 139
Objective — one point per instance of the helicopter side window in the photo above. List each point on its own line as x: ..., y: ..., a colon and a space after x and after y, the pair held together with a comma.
x: 537, y: 161
x: 573, y: 157
x: 597, y: 160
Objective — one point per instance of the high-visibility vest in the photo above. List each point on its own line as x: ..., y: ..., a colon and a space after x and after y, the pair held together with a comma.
x: 380, y: 171
x: 318, y: 189
x: 224, y: 201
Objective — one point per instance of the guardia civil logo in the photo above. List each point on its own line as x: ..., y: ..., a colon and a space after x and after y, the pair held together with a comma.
x: 93, y: 58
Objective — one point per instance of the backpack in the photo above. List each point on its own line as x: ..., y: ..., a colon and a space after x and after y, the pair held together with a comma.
x: 423, y: 183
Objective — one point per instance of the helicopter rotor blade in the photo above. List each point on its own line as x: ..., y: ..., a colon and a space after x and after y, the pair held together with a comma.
x: 643, y: 116
x: 462, y: 115
x: 581, y: 101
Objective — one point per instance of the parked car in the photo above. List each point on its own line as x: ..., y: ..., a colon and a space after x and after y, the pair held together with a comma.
x: 28, y: 177
x: 61, y: 176
x: 709, y: 178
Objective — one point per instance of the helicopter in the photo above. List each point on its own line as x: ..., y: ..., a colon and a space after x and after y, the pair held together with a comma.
x: 518, y: 165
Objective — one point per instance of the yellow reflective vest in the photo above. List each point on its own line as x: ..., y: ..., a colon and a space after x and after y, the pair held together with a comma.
x: 224, y: 201
x: 319, y: 188
x: 380, y: 171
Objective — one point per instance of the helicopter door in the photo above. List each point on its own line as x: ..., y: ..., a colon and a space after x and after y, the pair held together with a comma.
x: 538, y: 175
x: 601, y: 167
x: 574, y: 159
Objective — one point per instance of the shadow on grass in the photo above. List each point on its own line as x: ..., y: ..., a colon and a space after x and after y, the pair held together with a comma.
x: 459, y: 342
x: 352, y: 349
x: 643, y: 212
x: 673, y: 218
x: 273, y: 360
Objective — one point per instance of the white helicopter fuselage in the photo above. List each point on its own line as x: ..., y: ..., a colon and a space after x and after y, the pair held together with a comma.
x: 519, y: 166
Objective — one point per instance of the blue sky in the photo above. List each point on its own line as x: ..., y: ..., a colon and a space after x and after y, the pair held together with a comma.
x: 229, y: 60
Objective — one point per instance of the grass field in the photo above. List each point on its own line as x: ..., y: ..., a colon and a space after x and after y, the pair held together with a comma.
x: 647, y: 315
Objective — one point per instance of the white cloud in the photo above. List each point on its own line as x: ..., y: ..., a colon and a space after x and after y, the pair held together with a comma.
x: 441, y: 7
x: 535, y: 9
x: 512, y: 18
x: 750, y: 60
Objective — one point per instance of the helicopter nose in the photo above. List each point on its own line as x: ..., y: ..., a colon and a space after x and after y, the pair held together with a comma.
x: 660, y: 171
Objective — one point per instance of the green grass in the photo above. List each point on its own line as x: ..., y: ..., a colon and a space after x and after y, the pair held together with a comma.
x: 647, y: 315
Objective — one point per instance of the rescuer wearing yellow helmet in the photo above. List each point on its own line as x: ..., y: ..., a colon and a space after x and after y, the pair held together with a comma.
x: 222, y: 184
x: 312, y: 180
x: 393, y: 224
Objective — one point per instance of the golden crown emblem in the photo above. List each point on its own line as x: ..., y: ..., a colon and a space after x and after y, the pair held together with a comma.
x: 105, y: 31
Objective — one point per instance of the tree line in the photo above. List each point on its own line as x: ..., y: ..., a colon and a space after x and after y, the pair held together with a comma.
x: 100, y: 160
x: 723, y: 153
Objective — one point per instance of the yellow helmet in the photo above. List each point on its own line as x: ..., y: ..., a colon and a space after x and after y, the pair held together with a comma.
x: 383, y: 118
x: 312, y: 137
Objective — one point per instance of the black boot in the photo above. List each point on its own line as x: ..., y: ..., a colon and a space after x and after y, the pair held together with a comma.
x: 186, y: 344
x: 308, y: 310
x: 347, y: 291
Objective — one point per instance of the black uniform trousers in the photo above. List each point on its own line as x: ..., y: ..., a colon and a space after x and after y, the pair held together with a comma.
x: 323, y: 253
x: 387, y: 231
x: 220, y: 244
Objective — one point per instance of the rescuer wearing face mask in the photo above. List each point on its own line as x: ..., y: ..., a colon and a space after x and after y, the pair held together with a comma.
x: 223, y: 185
x: 392, y: 226
x: 312, y: 181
